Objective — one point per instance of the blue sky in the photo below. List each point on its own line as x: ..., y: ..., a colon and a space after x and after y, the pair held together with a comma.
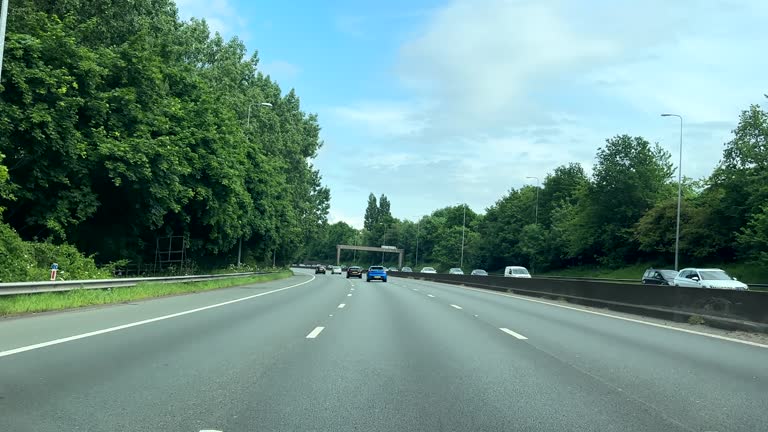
x: 437, y: 103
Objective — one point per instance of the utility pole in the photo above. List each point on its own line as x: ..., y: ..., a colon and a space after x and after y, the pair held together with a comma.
x: 3, y: 21
x: 418, y: 224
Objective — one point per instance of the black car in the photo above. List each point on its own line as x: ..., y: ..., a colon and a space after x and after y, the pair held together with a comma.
x: 659, y: 277
x: 319, y: 269
x: 355, y: 271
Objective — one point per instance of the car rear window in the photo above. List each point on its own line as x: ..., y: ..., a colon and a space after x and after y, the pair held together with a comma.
x: 377, y: 268
x: 519, y: 271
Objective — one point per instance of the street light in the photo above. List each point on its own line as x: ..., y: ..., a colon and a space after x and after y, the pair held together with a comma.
x: 3, y: 21
x: 679, y: 190
x: 418, y: 224
x: 537, y: 197
x: 463, y: 224
x: 248, y: 124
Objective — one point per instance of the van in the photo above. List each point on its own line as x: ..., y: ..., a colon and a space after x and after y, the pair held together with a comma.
x: 516, y: 272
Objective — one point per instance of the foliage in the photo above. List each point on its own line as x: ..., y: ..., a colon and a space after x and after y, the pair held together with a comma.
x: 121, y: 123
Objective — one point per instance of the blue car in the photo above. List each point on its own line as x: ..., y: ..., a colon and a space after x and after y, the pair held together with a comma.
x: 376, y: 273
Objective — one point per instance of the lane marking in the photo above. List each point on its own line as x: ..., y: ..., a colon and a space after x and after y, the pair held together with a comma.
x: 341, y: 306
x: 430, y: 295
x: 349, y: 295
x: 603, y: 314
x: 456, y: 306
x: 313, y: 334
x: 510, y: 332
x: 415, y: 289
x: 330, y: 315
x: 351, y: 289
x: 142, y: 322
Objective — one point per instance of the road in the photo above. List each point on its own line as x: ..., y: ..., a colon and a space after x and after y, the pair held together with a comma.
x: 329, y: 354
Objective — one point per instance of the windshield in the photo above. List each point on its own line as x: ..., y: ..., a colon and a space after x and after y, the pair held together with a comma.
x: 479, y: 272
x: 428, y: 269
x: 714, y: 275
x: 668, y: 274
x: 520, y: 271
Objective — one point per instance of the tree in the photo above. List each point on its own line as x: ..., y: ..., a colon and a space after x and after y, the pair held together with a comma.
x: 371, y: 213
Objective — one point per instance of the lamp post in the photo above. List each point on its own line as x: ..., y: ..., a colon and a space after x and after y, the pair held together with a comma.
x: 537, y: 198
x: 418, y: 224
x: 248, y: 124
x: 679, y: 190
x: 463, y: 224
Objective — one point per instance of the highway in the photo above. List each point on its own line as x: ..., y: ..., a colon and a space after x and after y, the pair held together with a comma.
x: 329, y: 354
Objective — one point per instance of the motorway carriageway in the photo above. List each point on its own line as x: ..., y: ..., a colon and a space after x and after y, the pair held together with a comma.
x: 326, y: 353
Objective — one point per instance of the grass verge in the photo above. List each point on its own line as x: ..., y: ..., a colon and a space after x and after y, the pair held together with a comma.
x: 30, y: 303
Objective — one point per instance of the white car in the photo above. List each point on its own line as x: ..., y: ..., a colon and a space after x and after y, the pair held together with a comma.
x: 516, y: 272
x: 335, y: 270
x: 456, y: 270
x: 428, y: 270
x: 708, y: 278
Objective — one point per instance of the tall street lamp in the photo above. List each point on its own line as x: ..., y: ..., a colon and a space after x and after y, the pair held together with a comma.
x: 537, y: 197
x: 679, y: 190
x: 248, y: 124
x: 3, y: 21
x: 463, y: 224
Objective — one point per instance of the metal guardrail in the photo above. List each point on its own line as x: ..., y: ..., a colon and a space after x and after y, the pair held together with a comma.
x: 13, y: 288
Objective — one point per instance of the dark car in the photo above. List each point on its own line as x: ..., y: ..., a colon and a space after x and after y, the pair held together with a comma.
x: 319, y: 269
x: 355, y: 271
x: 376, y: 273
x: 659, y: 277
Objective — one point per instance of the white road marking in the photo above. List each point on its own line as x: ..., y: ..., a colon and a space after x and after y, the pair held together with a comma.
x: 475, y: 315
x: 351, y: 289
x: 330, y: 315
x: 313, y: 334
x: 430, y: 295
x: 142, y: 322
x: 349, y: 295
x: 210, y: 430
x: 510, y: 332
x: 341, y: 306
x: 456, y: 306
x: 415, y: 289
x: 637, y: 321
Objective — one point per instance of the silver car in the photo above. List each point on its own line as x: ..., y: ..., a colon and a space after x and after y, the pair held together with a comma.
x: 428, y: 270
x: 708, y: 278
x: 456, y: 271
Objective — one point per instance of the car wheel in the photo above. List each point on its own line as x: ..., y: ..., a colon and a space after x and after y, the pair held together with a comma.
x: 385, y: 281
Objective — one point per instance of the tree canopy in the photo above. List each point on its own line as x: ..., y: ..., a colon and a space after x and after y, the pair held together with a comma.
x: 122, y: 123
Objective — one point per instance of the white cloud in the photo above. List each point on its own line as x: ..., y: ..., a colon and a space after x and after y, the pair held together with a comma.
x: 382, y: 118
x: 220, y: 15
x: 280, y: 69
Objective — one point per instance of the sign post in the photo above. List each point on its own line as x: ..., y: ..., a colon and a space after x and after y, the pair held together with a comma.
x: 54, y: 270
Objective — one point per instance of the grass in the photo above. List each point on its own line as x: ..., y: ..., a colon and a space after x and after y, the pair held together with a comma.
x: 30, y: 303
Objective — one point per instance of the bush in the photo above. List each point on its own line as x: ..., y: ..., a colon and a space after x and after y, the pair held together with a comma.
x: 16, y: 261
x: 72, y: 263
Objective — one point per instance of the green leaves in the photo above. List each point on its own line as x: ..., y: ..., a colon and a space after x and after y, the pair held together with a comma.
x: 121, y: 123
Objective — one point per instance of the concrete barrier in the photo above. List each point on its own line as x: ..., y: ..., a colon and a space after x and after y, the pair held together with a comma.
x: 744, y: 310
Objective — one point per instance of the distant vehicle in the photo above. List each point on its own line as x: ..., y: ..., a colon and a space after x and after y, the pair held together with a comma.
x: 516, y: 272
x: 428, y: 270
x: 329, y: 267
x: 479, y: 272
x: 394, y: 269
x: 456, y: 271
x: 376, y: 273
x: 343, y: 268
x: 355, y: 271
x: 406, y: 270
x: 319, y: 269
x: 659, y: 277
x: 335, y: 270
x: 708, y: 278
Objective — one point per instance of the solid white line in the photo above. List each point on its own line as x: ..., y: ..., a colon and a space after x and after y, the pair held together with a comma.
x: 351, y: 289
x: 415, y: 289
x: 455, y: 306
x: 313, y: 334
x: 430, y: 295
x: 637, y: 321
x: 138, y: 323
x: 349, y: 295
x: 341, y: 306
x: 510, y: 332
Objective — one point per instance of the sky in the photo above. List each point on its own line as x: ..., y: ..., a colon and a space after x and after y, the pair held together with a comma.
x: 438, y: 103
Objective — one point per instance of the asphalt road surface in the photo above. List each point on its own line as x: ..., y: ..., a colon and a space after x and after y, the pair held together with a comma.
x: 329, y: 354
